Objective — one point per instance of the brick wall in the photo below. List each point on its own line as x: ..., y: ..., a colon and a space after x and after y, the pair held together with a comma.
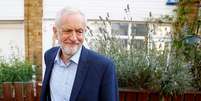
x: 33, y: 31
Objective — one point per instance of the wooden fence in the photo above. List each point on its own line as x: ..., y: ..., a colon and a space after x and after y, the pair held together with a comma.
x: 132, y: 95
x: 20, y: 91
x: 31, y: 92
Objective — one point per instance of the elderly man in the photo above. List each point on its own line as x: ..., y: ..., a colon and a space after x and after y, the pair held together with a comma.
x: 74, y: 73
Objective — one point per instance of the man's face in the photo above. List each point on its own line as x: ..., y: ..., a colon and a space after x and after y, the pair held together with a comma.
x: 70, y: 33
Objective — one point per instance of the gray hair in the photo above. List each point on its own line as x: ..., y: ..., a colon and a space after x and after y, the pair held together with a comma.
x: 68, y: 11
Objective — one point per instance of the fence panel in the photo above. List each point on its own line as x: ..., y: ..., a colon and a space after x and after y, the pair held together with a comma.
x: 178, y: 98
x: 122, y: 96
x: 154, y: 96
x: 29, y: 92
x: 134, y: 95
x: 20, y: 92
x: 7, y: 92
x: 143, y: 96
x: 131, y: 96
x: 18, y: 88
x: 198, y: 97
x: 38, y: 91
x: 189, y: 97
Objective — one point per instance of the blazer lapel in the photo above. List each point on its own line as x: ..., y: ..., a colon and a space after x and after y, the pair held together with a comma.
x: 49, y: 65
x: 49, y: 61
x: 80, y: 75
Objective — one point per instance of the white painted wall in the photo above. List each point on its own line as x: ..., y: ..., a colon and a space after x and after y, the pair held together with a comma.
x: 12, y: 39
x: 12, y: 9
x: 12, y: 28
x: 93, y: 8
x: 47, y: 34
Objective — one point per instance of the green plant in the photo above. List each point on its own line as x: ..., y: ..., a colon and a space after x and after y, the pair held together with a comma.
x: 144, y: 68
x: 15, y: 71
x: 177, y: 78
x: 133, y: 68
x: 191, y: 56
x: 133, y: 71
x: 186, y: 15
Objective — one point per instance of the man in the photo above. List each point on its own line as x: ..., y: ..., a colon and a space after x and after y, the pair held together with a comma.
x: 74, y: 73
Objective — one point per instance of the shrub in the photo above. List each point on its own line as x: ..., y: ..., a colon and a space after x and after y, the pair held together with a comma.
x: 15, y: 71
x: 143, y: 69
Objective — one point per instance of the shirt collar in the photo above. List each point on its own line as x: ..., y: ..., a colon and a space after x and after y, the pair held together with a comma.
x: 75, y: 58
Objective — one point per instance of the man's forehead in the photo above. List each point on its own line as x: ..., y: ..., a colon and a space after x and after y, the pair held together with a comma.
x: 70, y: 26
x: 71, y: 16
x: 72, y: 19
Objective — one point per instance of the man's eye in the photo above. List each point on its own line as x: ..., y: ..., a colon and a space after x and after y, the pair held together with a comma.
x: 80, y: 31
x: 67, y: 31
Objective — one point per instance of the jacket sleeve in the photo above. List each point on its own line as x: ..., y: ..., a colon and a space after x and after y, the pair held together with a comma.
x: 109, y: 86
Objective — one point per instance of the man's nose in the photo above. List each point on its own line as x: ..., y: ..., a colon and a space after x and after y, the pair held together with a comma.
x: 73, y: 36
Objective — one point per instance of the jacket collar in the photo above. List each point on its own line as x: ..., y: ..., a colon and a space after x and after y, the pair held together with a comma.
x: 75, y: 58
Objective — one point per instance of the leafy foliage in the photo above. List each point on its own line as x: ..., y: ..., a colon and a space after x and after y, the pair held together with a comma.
x: 177, y: 78
x: 15, y: 71
x: 142, y: 70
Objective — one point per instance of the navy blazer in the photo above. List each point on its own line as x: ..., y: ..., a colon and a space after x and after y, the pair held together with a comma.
x: 95, y: 79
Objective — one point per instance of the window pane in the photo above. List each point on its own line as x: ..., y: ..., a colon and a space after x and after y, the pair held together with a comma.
x: 139, y: 29
x: 120, y: 28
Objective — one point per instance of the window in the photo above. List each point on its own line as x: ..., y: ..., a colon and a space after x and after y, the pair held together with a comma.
x: 139, y: 29
x: 120, y: 28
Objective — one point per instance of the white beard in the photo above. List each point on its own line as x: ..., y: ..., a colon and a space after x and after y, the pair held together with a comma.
x: 70, y: 51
